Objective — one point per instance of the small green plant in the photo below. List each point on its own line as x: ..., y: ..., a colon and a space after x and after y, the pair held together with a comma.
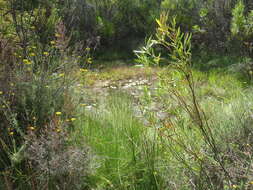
x: 190, y: 134
x: 242, y: 25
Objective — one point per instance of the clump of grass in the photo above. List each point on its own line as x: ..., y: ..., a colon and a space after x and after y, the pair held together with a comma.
x: 126, y: 150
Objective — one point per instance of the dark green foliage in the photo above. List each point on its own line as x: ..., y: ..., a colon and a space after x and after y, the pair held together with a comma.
x: 79, y: 17
x: 221, y: 25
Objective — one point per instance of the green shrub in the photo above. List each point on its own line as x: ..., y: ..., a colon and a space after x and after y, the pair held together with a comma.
x: 36, y: 106
x: 204, y: 146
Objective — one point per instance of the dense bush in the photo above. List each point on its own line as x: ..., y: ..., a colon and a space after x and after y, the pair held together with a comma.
x: 205, y: 158
x: 36, y: 105
x: 216, y: 24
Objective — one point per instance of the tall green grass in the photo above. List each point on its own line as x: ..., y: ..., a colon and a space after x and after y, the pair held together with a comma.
x: 127, y: 151
x: 130, y: 155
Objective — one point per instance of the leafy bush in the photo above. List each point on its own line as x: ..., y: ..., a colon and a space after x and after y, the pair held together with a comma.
x: 35, y: 99
x: 242, y: 26
x: 196, y: 138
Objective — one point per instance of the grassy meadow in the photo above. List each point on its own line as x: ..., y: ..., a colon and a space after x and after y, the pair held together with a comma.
x: 126, y: 95
x: 132, y: 154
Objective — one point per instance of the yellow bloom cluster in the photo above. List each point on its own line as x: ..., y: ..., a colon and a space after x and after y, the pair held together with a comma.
x: 32, y: 54
x: 31, y: 128
x: 89, y: 60
x: 58, y: 130
x: 58, y: 113
x: 83, y: 70
x: 71, y: 119
x: 27, y: 62
x: 11, y: 133
x: 45, y: 53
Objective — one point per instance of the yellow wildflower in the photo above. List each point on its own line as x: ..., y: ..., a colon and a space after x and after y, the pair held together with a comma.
x: 73, y: 119
x: 32, y: 27
x: 27, y: 62
x: 61, y: 74
x: 11, y: 133
x: 89, y: 60
x: 45, y: 53
x: 1, y: 92
x: 83, y: 104
x: 58, y: 130
x: 58, y: 113
x: 31, y: 128
x: 52, y: 42
x: 32, y: 54
x: 251, y: 182
x: 83, y: 70
x: 57, y: 35
x: 234, y: 186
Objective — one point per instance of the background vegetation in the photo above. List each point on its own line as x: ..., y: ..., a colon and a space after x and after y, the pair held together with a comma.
x: 188, y: 126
